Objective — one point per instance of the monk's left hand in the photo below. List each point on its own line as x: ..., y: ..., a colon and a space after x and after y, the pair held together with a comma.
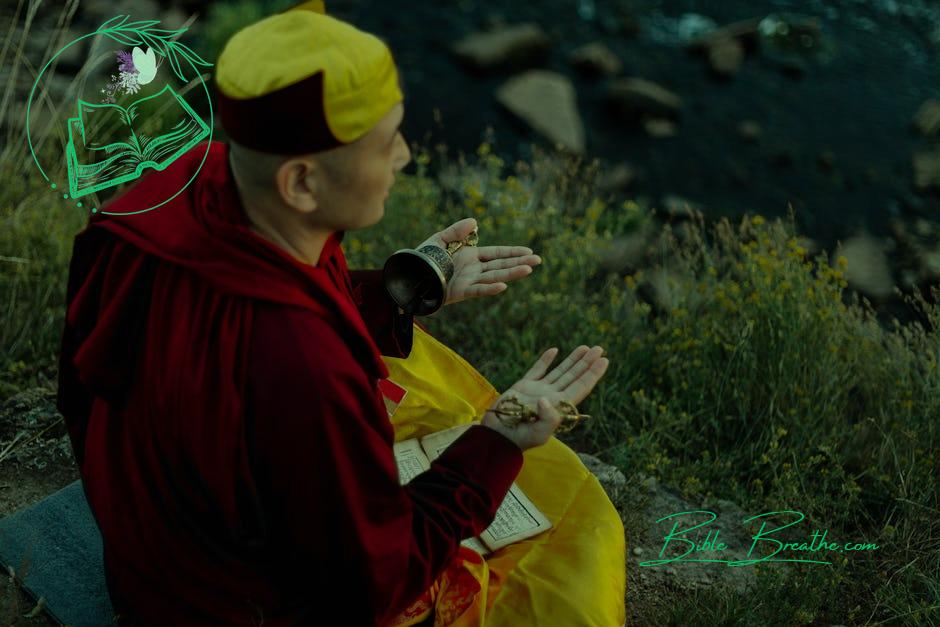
x: 481, y: 270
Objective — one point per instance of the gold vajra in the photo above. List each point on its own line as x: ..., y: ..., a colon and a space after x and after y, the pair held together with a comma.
x: 511, y: 412
x: 471, y: 240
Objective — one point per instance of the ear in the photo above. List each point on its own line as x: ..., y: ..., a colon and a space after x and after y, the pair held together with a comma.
x: 297, y: 186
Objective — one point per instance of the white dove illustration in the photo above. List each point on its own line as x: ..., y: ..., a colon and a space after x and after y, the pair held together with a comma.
x: 145, y: 63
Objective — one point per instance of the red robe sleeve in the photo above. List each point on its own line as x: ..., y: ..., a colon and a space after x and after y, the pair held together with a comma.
x: 392, y: 331
x: 321, y: 447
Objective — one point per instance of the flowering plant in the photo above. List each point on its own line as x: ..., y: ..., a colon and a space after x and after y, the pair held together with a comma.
x: 125, y: 80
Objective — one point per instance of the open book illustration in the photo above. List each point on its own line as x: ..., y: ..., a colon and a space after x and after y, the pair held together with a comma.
x: 516, y: 519
x: 158, y: 129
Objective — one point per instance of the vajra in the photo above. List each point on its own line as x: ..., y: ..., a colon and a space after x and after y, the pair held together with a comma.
x: 511, y: 412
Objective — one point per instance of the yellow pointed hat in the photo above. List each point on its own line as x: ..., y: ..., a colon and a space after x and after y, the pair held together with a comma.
x: 302, y: 81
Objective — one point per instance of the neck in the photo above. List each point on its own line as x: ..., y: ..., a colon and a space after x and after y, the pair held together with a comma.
x: 280, y: 227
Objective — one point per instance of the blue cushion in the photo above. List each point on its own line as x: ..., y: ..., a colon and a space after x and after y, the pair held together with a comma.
x: 58, y: 541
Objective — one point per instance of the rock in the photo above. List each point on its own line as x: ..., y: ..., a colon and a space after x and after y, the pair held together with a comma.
x: 726, y: 529
x: 692, y: 26
x: 749, y: 130
x: 517, y: 46
x: 927, y: 168
x: 595, y: 59
x: 787, y: 40
x: 745, y: 30
x: 616, y: 178
x: 725, y: 56
x: 868, y: 271
x: 927, y: 118
x: 610, y: 477
x: 547, y: 102
x: 633, y: 96
x: 659, y: 127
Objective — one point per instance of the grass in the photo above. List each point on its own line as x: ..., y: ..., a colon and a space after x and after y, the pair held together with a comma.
x: 759, y: 378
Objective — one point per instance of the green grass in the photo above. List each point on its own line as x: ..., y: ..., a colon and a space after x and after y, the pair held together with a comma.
x: 762, y: 381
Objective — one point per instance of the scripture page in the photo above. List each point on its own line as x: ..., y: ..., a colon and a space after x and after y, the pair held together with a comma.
x: 516, y: 519
x: 411, y: 460
x: 436, y: 443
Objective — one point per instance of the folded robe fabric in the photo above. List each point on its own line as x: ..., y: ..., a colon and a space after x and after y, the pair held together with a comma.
x: 223, y: 404
x: 572, y: 574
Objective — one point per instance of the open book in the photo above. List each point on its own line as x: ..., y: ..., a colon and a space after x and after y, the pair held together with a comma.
x: 516, y: 519
x: 158, y: 129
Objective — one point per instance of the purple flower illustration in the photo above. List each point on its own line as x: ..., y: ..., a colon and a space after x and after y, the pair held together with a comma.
x: 126, y: 62
x: 125, y: 80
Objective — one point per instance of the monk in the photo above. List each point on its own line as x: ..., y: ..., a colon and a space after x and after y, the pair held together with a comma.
x: 220, y: 364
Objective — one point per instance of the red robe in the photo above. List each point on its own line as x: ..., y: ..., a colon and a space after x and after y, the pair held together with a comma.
x: 222, y: 402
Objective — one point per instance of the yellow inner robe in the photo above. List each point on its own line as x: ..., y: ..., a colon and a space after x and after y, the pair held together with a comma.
x: 572, y: 574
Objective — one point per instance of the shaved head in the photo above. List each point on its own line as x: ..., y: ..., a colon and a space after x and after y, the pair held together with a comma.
x: 297, y: 201
x: 258, y: 170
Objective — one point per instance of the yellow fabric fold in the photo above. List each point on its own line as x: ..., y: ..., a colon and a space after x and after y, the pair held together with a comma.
x: 573, y: 574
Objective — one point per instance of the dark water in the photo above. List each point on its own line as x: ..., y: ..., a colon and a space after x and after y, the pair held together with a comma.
x: 856, y: 101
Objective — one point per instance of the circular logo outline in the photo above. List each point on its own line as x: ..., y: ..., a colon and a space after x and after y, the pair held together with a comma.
x: 105, y: 30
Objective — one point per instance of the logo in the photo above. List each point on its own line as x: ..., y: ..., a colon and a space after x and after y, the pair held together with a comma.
x: 766, y: 544
x: 111, y: 142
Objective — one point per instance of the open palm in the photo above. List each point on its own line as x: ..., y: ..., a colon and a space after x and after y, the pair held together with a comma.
x: 571, y: 380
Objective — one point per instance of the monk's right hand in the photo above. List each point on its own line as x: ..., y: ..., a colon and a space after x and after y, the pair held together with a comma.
x: 540, y: 389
